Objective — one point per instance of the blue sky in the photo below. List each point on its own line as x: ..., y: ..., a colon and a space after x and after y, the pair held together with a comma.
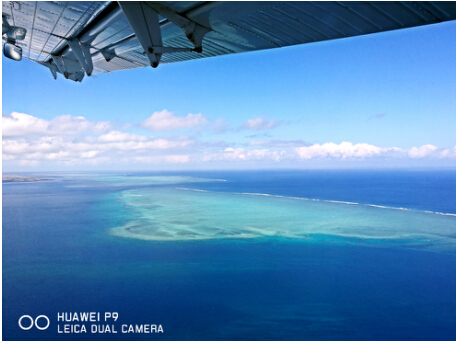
x: 385, y: 100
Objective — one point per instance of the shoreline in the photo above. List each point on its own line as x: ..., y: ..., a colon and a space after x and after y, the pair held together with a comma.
x: 22, y: 179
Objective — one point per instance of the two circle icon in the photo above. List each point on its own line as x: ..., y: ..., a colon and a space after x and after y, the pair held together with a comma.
x: 23, y: 323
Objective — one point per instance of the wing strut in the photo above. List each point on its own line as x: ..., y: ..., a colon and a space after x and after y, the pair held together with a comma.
x: 69, y: 68
x: 144, y: 20
x: 194, y: 32
x: 82, y: 54
x: 52, y: 67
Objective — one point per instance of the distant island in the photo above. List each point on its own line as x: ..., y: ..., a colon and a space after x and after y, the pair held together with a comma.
x: 21, y: 179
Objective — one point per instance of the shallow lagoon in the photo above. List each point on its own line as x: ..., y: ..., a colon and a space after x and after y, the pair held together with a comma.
x: 192, y: 214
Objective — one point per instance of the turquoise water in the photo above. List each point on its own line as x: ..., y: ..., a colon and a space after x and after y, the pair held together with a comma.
x: 235, y: 255
x: 193, y: 214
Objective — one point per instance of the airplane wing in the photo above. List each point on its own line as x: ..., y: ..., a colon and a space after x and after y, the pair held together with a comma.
x: 78, y: 38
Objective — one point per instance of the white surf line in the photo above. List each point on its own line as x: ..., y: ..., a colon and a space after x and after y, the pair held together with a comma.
x: 444, y: 214
x: 189, y: 189
x: 328, y: 201
x: 342, y: 202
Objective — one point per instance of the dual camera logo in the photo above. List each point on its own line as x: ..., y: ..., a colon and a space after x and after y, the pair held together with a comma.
x: 26, y: 322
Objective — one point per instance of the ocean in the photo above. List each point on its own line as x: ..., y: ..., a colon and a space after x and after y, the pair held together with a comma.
x: 231, y: 255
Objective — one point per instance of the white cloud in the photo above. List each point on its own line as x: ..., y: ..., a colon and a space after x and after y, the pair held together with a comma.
x: 449, y: 153
x: 57, y: 156
x: 117, y: 136
x: 89, y: 161
x: 75, y: 141
x: 89, y: 154
x: 278, y: 143
x: 259, y: 123
x: 331, y: 152
x: 14, y: 147
x: 20, y: 124
x: 348, y: 150
x: 32, y: 163
x: 241, y: 154
x: 344, y: 150
x: 421, y: 152
x: 165, y: 120
x: 67, y: 124
x: 7, y: 157
x: 163, y: 159
x: 113, y: 146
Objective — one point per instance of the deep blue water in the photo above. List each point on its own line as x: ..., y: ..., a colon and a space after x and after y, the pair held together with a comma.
x: 59, y: 257
x: 421, y: 190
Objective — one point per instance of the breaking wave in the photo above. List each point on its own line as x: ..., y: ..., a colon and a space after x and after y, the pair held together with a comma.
x: 329, y: 201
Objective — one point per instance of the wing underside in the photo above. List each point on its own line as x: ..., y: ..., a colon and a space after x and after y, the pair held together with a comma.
x: 83, y: 38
